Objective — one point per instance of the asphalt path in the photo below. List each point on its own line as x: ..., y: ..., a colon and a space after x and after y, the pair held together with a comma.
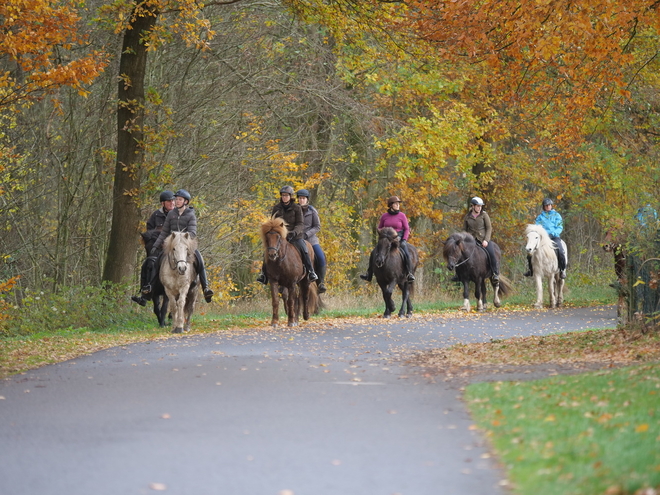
x: 321, y: 409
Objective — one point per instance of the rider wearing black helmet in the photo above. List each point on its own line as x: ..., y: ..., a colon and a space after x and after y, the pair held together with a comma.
x: 181, y: 219
x: 154, y: 226
x: 477, y: 223
x: 312, y: 227
x: 292, y: 214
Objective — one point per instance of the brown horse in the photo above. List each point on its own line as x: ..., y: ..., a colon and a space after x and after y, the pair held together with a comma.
x: 284, y: 267
x: 390, y: 271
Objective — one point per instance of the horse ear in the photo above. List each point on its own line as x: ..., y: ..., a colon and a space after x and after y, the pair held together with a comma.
x: 187, y: 235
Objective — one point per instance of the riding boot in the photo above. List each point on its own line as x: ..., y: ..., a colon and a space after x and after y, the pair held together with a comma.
x: 201, y: 271
x: 311, y: 274
x: 529, y: 271
x: 494, y: 267
x: 370, y: 270
x: 262, y: 277
x: 152, y: 271
x: 144, y: 278
x: 406, y: 261
x: 320, y: 283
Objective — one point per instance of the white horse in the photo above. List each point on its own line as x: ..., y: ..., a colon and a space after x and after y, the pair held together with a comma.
x: 545, y: 264
x: 179, y: 277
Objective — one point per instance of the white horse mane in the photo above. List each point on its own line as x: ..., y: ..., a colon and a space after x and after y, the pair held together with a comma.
x: 544, y: 257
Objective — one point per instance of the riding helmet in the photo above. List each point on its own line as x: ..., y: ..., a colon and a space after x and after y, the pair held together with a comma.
x: 393, y: 199
x: 303, y: 192
x: 477, y: 201
x: 166, y: 196
x: 546, y: 202
x: 287, y: 190
x: 183, y: 193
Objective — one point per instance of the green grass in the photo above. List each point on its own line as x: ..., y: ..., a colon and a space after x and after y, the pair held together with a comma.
x: 587, y: 434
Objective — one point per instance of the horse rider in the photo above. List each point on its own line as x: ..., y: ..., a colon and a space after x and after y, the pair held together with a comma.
x: 292, y: 214
x: 154, y: 226
x: 180, y: 219
x: 312, y: 227
x: 553, y: 224
x: 477, y: 223
x: 396, y: 219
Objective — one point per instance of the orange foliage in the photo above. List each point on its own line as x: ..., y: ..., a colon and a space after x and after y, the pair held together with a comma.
x: 6, y: 286
x: 35, y: 38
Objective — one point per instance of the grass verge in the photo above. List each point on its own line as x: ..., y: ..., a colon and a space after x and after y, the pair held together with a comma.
x: 596, y: 433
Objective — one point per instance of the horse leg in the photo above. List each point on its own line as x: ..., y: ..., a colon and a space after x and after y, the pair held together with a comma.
x: 191, y: 297
x: 552, y: 288
x: 496, y: 299
x: 304, y: 298
x: 480, y: 293
x: 387, y: 297
x: 466, y: 295
x: 409, y: 303
x: 177, y: 312
x: 292, y: 309
x: 560, y: 292
x: 275, y: 300
x: 538, y: 279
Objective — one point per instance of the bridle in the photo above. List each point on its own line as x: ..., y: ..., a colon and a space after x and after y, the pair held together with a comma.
x: 277, y: 247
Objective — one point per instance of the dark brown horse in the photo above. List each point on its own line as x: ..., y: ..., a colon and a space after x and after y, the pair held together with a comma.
x: 158, y: 296
x: 470, y: 261
x: 284, y: 267
x: 390, y: 271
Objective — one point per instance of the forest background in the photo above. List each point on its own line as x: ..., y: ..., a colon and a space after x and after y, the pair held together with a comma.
x: 105, y: 104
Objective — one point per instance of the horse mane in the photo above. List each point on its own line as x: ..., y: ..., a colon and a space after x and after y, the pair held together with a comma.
x: 457, y: 238
x: 275, y: 224
x: 190, y: 241
x: 547, y: 256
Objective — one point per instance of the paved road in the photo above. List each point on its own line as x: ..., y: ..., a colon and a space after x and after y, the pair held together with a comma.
x: 318, y: 410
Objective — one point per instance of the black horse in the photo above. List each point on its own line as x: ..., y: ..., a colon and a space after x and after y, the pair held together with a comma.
x: 159, y: 298
x: 470, y: 260
x: 390, y: 270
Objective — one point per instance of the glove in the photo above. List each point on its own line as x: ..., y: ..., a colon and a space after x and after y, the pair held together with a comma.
x: 402, y: 241
x: 290, y: 236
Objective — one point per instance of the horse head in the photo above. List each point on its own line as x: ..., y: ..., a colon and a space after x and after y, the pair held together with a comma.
x: 454, y: 250
x: 273, y: 235
x: 534, y: 238
x: 180, y: 250
x: 388, y: 240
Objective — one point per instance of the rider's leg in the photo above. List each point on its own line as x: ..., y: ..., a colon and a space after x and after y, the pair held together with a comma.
x: 493, y: 263
x: 143, y: 281
x: 529, y: 271
x: 321, y: 266
x: 201, y: 271
x: 370, y: 268
x: 152, y: 272
x: 262, y: 277
x: 561, y: 256
x: 302, y: 248
x: 403, y: 245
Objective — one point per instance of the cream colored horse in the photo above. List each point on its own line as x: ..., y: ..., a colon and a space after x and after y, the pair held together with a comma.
x: 179, y: 277
x: 545, y: 264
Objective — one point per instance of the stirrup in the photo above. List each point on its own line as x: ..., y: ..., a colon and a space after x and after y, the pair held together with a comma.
x: 562, y: 273
x: 411, y: 277
x: 528, y: 273
x: 262, y: 278
x: 208, y: 295
x: 312, y: 276
x: 366, y: 277
x: 495, y: 277
x: 146, y: 289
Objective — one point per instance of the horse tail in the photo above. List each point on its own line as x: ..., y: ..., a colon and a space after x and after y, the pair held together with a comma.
x: 506, y: 286
x: 314, y: 301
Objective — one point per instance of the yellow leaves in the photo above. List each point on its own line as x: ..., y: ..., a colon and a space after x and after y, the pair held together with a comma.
x: 643, y: 428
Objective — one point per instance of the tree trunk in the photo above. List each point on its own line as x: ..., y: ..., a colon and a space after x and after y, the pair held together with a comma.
x: 123, y: 244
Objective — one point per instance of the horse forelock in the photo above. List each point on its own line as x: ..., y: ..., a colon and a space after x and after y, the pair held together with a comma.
x: 388, y: 233
x: 275, y: 225
x: 176, y: 238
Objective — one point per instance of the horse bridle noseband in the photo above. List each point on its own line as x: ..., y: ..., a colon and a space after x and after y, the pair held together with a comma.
x: 278, y: 246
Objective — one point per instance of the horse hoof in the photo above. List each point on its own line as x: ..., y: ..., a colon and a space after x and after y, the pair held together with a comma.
x: 538, y: 306
x: 386, y: 316
x: 409, y: 315
x: 497, y: 304
x: 177, y: 330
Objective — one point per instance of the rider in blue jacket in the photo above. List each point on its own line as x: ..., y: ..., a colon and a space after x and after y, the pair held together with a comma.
x: 553, y: 224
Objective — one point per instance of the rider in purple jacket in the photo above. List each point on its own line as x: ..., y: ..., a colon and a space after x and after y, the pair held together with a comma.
x: 398, y: 221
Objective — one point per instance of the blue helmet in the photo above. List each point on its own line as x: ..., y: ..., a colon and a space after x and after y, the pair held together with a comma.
x: 304, y: 193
